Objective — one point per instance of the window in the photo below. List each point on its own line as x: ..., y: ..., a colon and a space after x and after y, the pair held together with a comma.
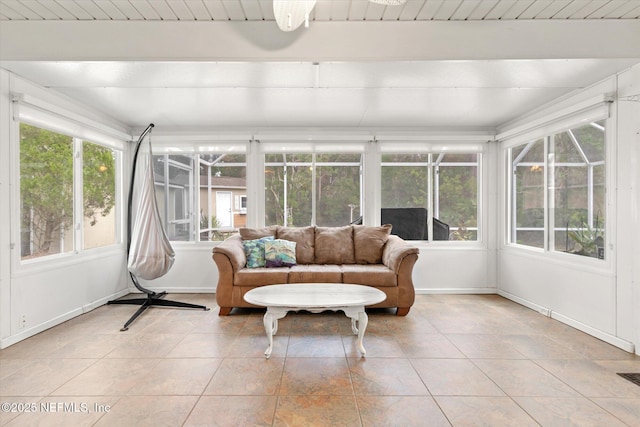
x: 220, y: 199
x: 570, y: 217
x: 321, y: 189
x: 99, y: 195
x: 174, y: 193
x: 223, y: 199
x: 456, y: 194
x: 46, y: 192
x: 577, y: 187
x: 49, y: 197
x: 445, y: 183
x: 528, y: 166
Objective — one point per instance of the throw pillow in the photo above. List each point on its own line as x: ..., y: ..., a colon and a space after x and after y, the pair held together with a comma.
x: 305, y: 242
x: 280, y: 253
x: 254, y: 250
x: 334, y: 245
x: 368, y: 243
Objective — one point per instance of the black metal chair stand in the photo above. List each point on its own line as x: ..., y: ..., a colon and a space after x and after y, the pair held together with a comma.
x: 152, y: 299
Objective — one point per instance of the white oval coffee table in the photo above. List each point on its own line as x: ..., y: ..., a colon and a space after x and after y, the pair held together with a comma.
x: 315, y: 297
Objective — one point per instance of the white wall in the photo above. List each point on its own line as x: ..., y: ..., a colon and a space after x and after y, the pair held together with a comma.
x: 594, y: 296
x: 628, y: 206
x: 39, y: 294
x: 5, y: 209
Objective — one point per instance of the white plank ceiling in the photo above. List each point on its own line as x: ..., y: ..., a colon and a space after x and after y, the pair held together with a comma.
x: 325, y: 10
x: 469, y: 94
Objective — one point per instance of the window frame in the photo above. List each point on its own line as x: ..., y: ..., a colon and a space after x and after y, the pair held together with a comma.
x: 435, y: 149
x: 194, y: 149
x: 546, y: 134
x: 314, y: 164
x: 79, y: 132
x: 370, y: 170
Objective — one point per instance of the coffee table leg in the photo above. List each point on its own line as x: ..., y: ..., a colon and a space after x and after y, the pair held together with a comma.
x: 363, y: 320
x: 358, y: 314
x: 270, y: 322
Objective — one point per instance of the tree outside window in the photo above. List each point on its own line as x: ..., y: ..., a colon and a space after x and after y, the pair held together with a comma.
x: 302, y: 186
x: 99, y: 195
x: 47, y: 193
x: 527, y: 174
x: 445, y: 183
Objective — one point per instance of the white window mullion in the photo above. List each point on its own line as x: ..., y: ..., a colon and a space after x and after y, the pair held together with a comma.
x: 209, y: 203
x: 430, y: 197
x: 512, y: 184
x: 314, y: 189
x: 549, y: 195
x: 78, y: 196
x: 255, y: 185
x: 480, y: 179
x: 193, y: 202
x: 371, y: 185
x: 285, y: 193
x: 590, y: 202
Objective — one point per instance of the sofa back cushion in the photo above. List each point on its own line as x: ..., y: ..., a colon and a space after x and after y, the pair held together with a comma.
x: 257, y: 233
x: 305, y: 242
x: 334, y: 245
x: 368, y: 243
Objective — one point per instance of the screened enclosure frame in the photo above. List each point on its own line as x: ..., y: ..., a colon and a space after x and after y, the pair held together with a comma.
x: 594, y: 223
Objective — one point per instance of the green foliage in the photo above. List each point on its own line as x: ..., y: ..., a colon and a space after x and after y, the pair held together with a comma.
x: 46, y: 185
x: 204, y: 221
x: 587, y: 238
x: 99, y: 180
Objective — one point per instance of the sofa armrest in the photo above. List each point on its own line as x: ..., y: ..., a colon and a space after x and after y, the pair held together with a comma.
x: 229, y: 258
x: 394, y: 252
x: 233, y: 250
x: 400, y: 257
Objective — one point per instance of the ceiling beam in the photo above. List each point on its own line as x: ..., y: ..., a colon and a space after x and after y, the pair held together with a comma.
x: 322, y: 41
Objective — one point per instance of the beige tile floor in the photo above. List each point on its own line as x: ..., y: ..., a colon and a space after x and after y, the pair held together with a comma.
x: 454, y: 360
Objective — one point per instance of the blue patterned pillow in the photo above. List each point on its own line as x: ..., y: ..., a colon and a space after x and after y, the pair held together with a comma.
x: 280, y: 253
x: 254, y: 251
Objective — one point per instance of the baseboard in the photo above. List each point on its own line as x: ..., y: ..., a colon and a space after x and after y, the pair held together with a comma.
x: 175, y: 290
x: 457, y: 291
x: 606, y: 337
x: 102, y: 301
x: 535, y: 307
x: 22, y: 335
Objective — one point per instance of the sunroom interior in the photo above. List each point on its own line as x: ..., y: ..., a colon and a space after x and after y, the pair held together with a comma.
x: 514, y: 123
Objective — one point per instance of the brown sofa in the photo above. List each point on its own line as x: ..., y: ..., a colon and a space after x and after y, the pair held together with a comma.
x: 354, y: 254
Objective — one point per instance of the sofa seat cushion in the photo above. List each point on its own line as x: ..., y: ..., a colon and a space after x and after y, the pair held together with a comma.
x: 377, y: 275
x: 315, y: 273
x: 261, y: 276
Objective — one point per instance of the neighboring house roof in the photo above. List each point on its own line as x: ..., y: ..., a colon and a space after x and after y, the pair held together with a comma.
x: 224, y: 181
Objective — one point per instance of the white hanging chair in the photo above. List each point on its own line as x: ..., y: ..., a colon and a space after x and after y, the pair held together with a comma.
x: 149, y: 251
